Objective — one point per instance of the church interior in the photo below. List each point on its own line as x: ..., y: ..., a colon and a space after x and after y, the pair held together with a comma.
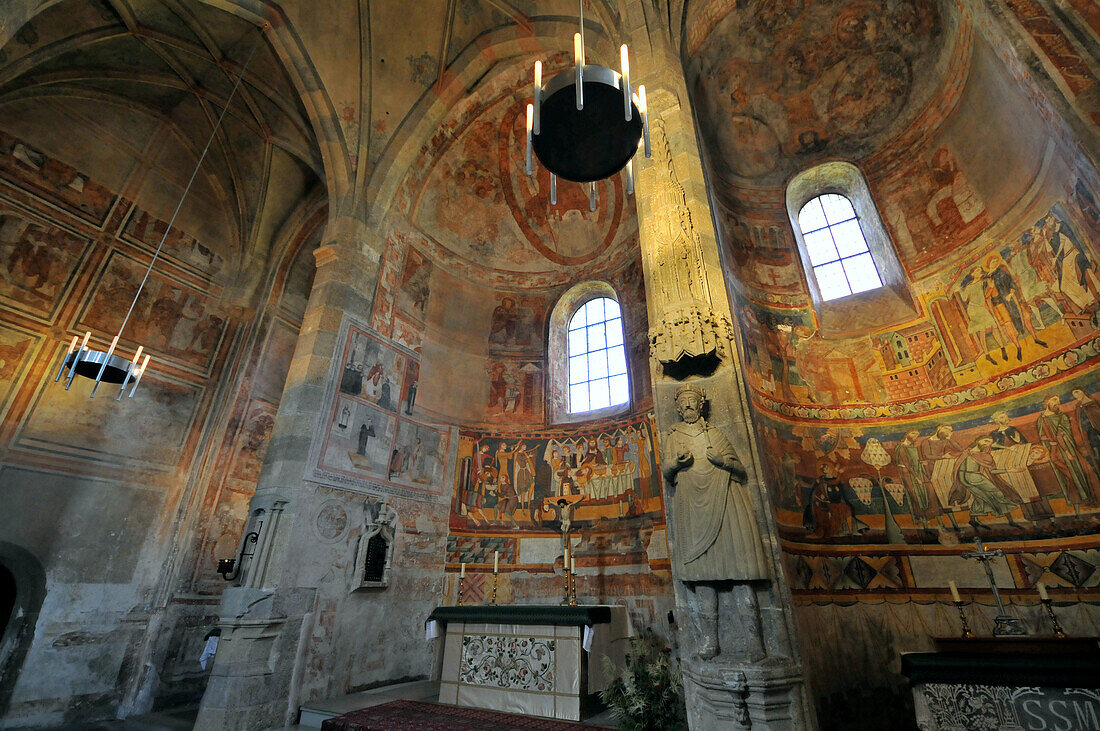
x: 360, y: 416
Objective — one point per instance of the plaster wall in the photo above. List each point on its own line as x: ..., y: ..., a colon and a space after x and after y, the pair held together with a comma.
x: 978, y: 185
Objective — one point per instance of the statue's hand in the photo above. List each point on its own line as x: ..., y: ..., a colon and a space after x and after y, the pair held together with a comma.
x: 715, y: 458
x: 684, y: 459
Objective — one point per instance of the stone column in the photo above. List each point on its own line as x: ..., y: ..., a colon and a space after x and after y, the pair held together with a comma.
x: 267, y: 614
x: 755, y: 679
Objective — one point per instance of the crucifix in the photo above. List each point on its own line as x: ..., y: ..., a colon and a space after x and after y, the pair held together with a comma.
x: 1004, y: 625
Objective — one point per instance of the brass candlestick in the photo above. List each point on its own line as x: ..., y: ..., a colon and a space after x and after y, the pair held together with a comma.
x: 1058, y: 631
x: 572, y: 588
x: 962, y: 618
x: 461, y: 588
x: 565, y: 583
x: 493, y: 590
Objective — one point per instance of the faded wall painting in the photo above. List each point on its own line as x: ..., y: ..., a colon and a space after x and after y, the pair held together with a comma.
x: 516, y: 390
x: 40, y: 260
x: 516, y: 325
x: 777, y: 81
x: 54, y: 180
x: 171, y: 316
x: 508, y: 481
x: 372, y: 371
x: 146, y: 229
x: 374, y: 432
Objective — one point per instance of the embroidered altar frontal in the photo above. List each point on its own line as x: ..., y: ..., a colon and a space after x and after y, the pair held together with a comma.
x: 528, y: 664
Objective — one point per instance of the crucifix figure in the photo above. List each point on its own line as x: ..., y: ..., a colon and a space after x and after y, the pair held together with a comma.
x: 1003, y: 624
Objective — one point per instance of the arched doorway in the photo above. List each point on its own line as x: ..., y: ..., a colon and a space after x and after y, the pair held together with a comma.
x: 22, y: 589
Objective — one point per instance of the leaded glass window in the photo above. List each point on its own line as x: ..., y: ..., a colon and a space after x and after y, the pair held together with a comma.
x: 841, y: 260
x: 597, y: 357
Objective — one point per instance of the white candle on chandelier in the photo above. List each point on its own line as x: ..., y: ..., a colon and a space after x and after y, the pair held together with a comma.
x: 553, y: 189
x: 69, y: 352
x: 530, y: 123
x: 592, y: 196
x: 103, y: 366
x: 643, y: 109
x: 76, y: 359
x: 578, y: 57
x: 630, y: 177
x: 536, y: 128
x: 626, y: 82
x: 140, y: 373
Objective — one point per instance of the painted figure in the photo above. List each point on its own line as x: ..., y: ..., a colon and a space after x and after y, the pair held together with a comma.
x: 715, y: 526
x: 980, y: 479
x: 1014, y: 454
x: 829, y: 510
x: 1056, y: 434
x: 366, y: 431
x: 914, y: 478
x: 1087, y: 413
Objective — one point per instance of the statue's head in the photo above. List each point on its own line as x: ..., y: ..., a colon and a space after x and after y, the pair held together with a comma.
x: 689, y: 402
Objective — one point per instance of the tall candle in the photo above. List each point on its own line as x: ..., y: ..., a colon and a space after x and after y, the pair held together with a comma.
x: 954, y: 591
x: 463, y: 574
x: 496, y: 561
x: 1042, y: 591
x: 572, y: 565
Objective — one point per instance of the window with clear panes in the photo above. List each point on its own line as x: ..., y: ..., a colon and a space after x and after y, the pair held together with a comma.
x: 597, y: 357
x: 839, y: 255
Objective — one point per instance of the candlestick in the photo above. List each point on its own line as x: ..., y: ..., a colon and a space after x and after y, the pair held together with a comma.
x: 461, y: 585
x: 572, y: 584
x: 493, y: 591
x: 1058, y: 631
x: 962, y: 618
x: 954, y: 592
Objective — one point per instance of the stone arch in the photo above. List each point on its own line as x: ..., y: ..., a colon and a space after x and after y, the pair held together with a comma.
x: 18, y: 632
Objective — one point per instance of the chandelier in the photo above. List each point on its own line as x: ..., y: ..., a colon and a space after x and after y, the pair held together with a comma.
x: 108, y: 366
x: 586, y: 123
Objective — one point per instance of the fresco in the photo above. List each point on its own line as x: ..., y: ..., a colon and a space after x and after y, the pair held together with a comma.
x: 145, y: 228
x: 414, y: 287
x: 1024, y: 309
x: 507, y: 481
x: 515, y: 390
x: 171, y: 317
x: 358, y: 439
x: 418, y: 454
x: 372, y: 371
x: 776, y: 81
x: 55, y: 181
x: 1025, y: 469
x: 516, y: 324
x: 483, y: 214
x: 39, y: 261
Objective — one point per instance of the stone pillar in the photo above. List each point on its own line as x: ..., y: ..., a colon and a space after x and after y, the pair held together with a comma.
x: 267, y: 615
x: 755, y: 680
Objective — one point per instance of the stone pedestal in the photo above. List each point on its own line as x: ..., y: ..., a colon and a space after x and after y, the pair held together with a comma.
x: 726, y: 696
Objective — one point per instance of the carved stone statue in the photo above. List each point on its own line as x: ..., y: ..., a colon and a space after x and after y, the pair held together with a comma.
x: 717, y: 540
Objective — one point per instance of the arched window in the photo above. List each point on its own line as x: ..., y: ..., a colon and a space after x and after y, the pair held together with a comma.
x: 597, y: 357
x: 853, y: 273
x: 841, y: 260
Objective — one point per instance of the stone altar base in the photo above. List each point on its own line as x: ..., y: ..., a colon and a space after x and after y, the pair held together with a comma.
x: 530, y: 659
x: 739, y: 695
x: 1018, y: 683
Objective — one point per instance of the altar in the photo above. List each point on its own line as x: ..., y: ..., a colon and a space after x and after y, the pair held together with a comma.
x: 1017, y: 683
x: 540, y: 660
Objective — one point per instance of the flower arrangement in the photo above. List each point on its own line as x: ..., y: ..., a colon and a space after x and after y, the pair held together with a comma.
x: 649, y: 693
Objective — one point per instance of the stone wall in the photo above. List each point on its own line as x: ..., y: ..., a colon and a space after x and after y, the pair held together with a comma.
x: 103, y: 494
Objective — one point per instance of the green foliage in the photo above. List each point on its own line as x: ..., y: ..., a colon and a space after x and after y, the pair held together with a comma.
x: 649, y: 695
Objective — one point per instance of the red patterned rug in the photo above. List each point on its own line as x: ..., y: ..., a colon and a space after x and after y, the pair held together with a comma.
x: 425, y: 716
